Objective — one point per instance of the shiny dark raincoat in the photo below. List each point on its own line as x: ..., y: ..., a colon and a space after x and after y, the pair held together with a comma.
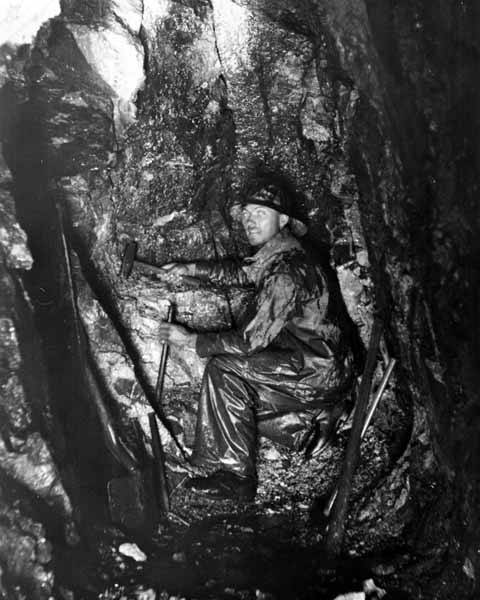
x: 284, y: 365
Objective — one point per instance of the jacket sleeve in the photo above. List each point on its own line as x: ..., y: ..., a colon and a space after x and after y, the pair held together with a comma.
x: 275, y: 305
x: 224, y: 272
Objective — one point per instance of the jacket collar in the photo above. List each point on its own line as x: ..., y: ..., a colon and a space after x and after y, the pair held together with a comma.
x: 283, y: 241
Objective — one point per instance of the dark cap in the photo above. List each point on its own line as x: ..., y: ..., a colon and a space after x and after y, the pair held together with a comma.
x: 273, y: 197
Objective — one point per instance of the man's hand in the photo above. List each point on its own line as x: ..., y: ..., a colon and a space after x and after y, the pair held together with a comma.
x: 173, y: 272
x: 177, y: 335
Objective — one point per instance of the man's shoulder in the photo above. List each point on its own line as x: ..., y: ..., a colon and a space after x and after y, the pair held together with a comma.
x: 295, y: 266
x: 292, y: 262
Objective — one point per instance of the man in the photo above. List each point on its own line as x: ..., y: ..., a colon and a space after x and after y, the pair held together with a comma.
x: 287, y: 364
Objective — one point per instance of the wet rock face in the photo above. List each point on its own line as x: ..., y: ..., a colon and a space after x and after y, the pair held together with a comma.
x: 142, y: 120
x: 28, y: 474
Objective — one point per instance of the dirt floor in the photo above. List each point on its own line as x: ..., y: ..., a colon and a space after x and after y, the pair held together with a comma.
x: 271, y: 548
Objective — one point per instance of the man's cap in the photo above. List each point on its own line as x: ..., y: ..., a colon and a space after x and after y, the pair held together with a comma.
x: 274, y: 197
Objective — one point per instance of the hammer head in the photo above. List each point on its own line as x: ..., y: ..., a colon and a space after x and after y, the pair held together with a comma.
x: 128, y: 259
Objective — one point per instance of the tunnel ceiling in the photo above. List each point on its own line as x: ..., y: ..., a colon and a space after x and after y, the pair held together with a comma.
x: 128, y: 120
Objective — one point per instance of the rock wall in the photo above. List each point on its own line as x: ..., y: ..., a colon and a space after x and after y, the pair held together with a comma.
x: 34, y: 506
x: 208, y: 110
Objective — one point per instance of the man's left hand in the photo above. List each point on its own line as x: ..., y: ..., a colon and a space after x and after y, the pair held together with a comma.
x: 177, y: 335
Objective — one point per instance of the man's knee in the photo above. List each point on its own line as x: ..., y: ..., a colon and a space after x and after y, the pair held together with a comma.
x: 224, y: 363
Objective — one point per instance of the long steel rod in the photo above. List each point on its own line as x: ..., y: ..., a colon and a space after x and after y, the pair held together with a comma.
x: 339, y: 510
x: 114, y: 443
x: 161, y: 481
x: 376, y: 399
x: 163, y: 362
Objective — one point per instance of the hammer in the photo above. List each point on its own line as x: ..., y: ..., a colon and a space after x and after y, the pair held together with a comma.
x: 130, y: 260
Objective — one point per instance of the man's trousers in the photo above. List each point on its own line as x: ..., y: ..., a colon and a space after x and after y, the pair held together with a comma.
x: 244, y: 396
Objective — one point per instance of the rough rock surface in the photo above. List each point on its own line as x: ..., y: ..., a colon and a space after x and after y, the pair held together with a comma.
x: 142, y: 121
x: 29, y: 474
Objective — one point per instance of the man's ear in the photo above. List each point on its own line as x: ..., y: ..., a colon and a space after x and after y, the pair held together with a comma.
x: 283, y: 220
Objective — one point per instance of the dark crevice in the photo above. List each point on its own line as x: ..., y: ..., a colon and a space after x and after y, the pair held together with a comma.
x: 106, y: 297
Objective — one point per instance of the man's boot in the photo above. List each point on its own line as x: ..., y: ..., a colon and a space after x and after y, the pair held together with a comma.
x: 224, y: 485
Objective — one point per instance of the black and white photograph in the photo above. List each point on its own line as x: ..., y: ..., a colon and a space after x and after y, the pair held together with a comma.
x: 239, y: 300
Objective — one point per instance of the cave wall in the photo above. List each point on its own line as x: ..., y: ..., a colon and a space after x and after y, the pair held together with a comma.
x: 415, y: 159
x: 208, y: 109
x: 34, y: 505
x: 145, y: 119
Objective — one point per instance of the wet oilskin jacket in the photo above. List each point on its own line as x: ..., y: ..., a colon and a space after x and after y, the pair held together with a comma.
x: 289, y: 312
x: 286, y: 362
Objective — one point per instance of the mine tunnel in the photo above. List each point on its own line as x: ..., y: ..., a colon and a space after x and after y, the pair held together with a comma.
x: 131, y: 134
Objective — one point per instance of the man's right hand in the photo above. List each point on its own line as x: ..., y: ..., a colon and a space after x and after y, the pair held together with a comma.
x: 173, y: 272
x: 177, y: 335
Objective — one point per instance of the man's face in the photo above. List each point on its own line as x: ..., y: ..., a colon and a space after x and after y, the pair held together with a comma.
x: 261, y: 223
